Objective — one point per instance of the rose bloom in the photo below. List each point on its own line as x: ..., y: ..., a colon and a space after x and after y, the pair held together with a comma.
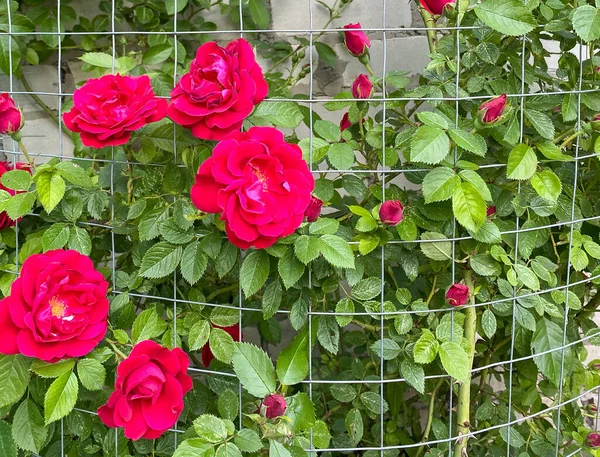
x: 391, y: 212
x: 11, y: 117
x: 56, y: 309
x: 457, y: 294
x: 259, y: 183
x: 314, y: 209
x: 149, y: 391
x: 491, y: 110
x: 6, y: 221
x: 220, y: 90
x: 435, y: 6
x: 207, y: 355
x: 356, y: 41
x: 274, y: 405
x: 362, y: 87
x: 593, y: 440
x: 106, y: 110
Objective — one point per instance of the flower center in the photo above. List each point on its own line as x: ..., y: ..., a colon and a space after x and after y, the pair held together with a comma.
x: 57, y: 307
x: 260, y: 175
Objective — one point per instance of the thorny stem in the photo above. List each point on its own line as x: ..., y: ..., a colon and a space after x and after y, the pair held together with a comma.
x: 430, y: 24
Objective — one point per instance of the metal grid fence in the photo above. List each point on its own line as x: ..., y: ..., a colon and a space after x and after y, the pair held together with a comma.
x: 383, y: 172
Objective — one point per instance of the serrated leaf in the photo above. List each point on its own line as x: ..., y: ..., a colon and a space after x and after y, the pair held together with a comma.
x: 546, y: 341
x: 193, y: 263
x: 221, y: 345
x: 586, y: 23
x: 336, y: 251
x: 254, y: 369
x: 50, y: 189
x: 455, y: 360
x: 488, y: 323
x: 469, y: 207
x: 341, y: 156
x: 254, y: 272
x: 436, y: 250
x: 210, y: 429
x: 306, y: 248
x: 541, y: 122
x: 429, y: 145
x: 439, y: 184
x: 7, y: 446
x: 198, y: 335
x: 290, y: 268
x: 522, y: 163
x: 248, y: 440
x: 28, y: 429
x: 14, y: 378
x: 414, y: 374
x: 52, y: 370
x: 546, y: 184
x: 472, y: 142
x: 292, y: 363
x: 61, y: 397
x: 426, y: 348
x: 509, y: 17
x: 160, y: 260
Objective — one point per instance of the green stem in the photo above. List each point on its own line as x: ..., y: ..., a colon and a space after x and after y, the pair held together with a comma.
x: 430, y: 24
x: 25, y: 153
x: 425, y: 437
x: 230, y: 288
x: 117, y: 351
x: 571, y: 138
x: 464, y: 392
x: 369, y: 69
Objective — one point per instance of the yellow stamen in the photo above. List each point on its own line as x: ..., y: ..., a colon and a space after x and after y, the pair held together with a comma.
x: 57, y: 306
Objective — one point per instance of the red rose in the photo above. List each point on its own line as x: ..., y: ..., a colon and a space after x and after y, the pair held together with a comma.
x: 6, y: 221
x: 314, y: 209
x: 435, y: 6
x: 345, y: 122
x: 491, y: 111
x: 207, y: 355
x: 56, y: 309
x: 362, y: 87
x: 106, y: 110
x: 11, y: 117
x: 593, y: 440
x: 274, y: 406
x: 490, y: 211
x: 149, y: 391
x: 259, y: 183
x: 457, y: 294
x: 356, y: 41
x: 220, y: 90
x: 391, y: 212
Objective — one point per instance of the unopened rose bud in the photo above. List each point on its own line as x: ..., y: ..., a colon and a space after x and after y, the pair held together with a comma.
x: 491, y: 211
x: 596, y: 123
x: 11, y: 117
x: 391, y: 212
x: 362, y: 87
x: 345, y: 122
x: 313, y: 211
x: 491, y: 111
x: 435, y: 6
x: 593, y: 440
x: 356, y: 41
x: 457, y: 294
x: 274, y: 406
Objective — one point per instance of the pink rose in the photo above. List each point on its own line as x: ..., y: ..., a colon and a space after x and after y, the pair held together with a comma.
x: 457, y: 294
x: 56, y: 309
x: 593, y: 440
x: 149, y: 391
x: 11, y: 117
x: 274, y: 406
x: 491, y: 110
x: 220, y: 90
x: 314, y: 209
x: 207, y: 355
x: 362, y: 87
x: 435, y: 6
x: 356, y: 41
x: 391, y: 212
x: 106, y: 110
x: 259, y: 183
x: 490, y: 211
x: 6, y: 221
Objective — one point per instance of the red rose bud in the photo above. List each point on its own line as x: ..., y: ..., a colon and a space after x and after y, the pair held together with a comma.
x: 593, y: 440
x: 274, y: 406
x: 356, y: 41
x: 491, y: 111
x: 207, y: 355
x: 362, y: 87
x: 11, y: 117
x: 391, y: 212
x: 435, y: 6
x: 491, y: 211
x: 596, y: 123
x: 313, y: 211
x: 457, y: 294
x: 345, y: 122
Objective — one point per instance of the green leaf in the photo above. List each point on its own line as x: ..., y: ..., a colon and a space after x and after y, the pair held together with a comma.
x: 438, y: 250
x: 248, y: 440
x: 157, y: 54
x: 552, y: 151
x: 368, y: 288
x: 160, y: 260
x: 327, y: 130
x: 488, y: 233
x: 414, y: 374
x: 254, y: 272
x: 280, y: 114
x: 29, y: 431
x: 147, y: 325
x: 193, y: 263
x: 321, y: 435
x: 276, y: 449
x: 290, y: 268
x: 9, y: 52
x: 19, y: 205
x: 548, y: 337
x: 55, y: 237
x: 546, y: 184
x: 228, y: 449
x: 170, y: 5
x: 426, y: 348
x: 74, y: 174
x: 541, y: 122
x: 387, y: 349
x: 259, y: 13
x: 272, y: 299
x: 326, y: 54
x: 228, y: 404
x: 586, y: 22
x: 473, y: 178
x: 429, y: 145
x: 50, y: 189
x: 472, y: 142
x: 91, y: 374
x: 7, y: 445
x: 17, y: 179
x: 373, y: 402
x: 527, y: 277
x: 99, y: 59
x: 354, y: 425
x: 198, y: 335
x: 306, y: 248
x: 522, y: 163
x: 336, y: 251
x: 221, y: 345
x: 292, y: 363
x: 345, y: 305
x: 61, y: 397
x: 80, y: 241
x: 488, y: 322
x: 254, y: 369
x: 324, y: 226
x: 469, y: 206
x: 433, y: 119
x: 579, y: 259
x: 14, y: 378
x: 341, y: 156
x: 509, y: 17
x: 328, y: 333
x: 52, y: 370
x: 210, y: 429
x: 301, y: 412
x: 455, y: 360
x: 439, y: 184
x: 194, y: 447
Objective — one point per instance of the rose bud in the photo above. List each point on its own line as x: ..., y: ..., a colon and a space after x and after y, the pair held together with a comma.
x: 274, y: 406
x: 356, y: 41
x: 593, y: 440
x: 435, y: 6
x: 491, y: 111
x: 11, y: 117
x: 490, y: 211
x: 207, y: 355
x: 596, y: 123
x: 313, y: 211
x: 362, y: 87
x: 391, y: 212
x: 457, y: 294
x: 597, y: 69
x: 345, y: 122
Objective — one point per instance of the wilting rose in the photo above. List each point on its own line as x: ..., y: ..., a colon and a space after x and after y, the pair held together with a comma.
x: 314, y: 209
x: 220, y: 90
x: 356, y: 41
x: 106, y: 110
x: 593, y: 440
x: 56, y: 309
x: 207, y: 355
x: 457, y: 294
x: 391, y: 212
x: 11, y: 117
x: 435, y: 6
x: 492, y: 110
x: 149, y: 391
x: 362, y: 87
x: 259, y: 183
x: 491, y: 210
x: 6, y: 221
x: 274, y: 406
